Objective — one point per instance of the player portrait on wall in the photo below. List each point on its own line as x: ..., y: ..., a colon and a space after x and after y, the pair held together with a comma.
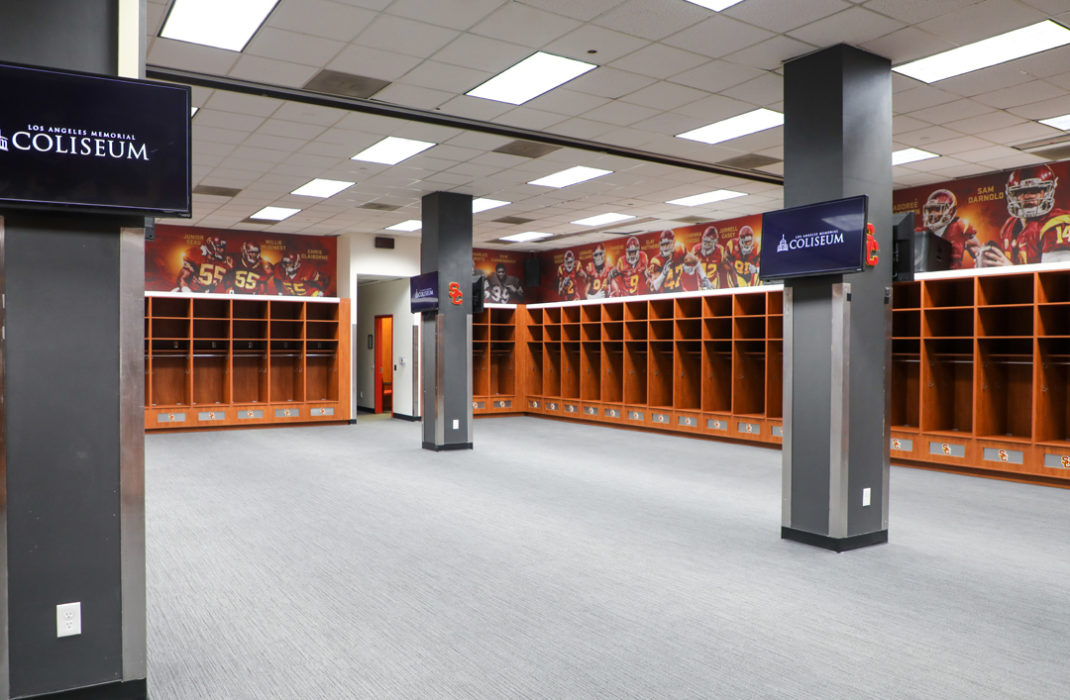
x: 204, y: 267
x: 601, y: 282
x: 251, y: 274
x: 741, y: 255
x: 571, y: 281
x: 631, y: 270
x: 939, y: 216
x: 1035, y: 230
x: 711, y: 258
x: 503, y: 288
x: 664, y: 268
x: 293, y: 278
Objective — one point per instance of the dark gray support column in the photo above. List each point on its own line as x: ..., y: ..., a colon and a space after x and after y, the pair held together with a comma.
x: 837, y: 348
x: 73, y: 415
x: 446, y: 247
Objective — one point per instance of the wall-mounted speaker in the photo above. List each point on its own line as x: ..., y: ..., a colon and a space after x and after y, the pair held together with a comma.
x: 531, y: 271
x: 384, y: 242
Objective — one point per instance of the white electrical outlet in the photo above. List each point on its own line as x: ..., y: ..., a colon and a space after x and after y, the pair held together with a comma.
x: 456, y: 424
x: 866, y: 497
x: 68, y: 619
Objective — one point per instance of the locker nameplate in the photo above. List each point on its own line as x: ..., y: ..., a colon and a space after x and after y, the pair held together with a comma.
x: 533, y: 404
x: 212, y: 415
x: 251, y: 414
x: 590, y: 410
x: 611, y: 413
x: 902, y: 444
x: 999, y: 454
x: 947, y: 449
x: 571, y: 408
x: 717, y: 424
x: 170, y: 417
x: 503, y: 404
x: 478, y: 404
x: 689, y: 421
x: 749, y: 428
x: 661, y: 418
x: 1056, y: 461
x: 636, y: 415
x: 287, y: 412
x: 322, y: 411
x: 777, y: 430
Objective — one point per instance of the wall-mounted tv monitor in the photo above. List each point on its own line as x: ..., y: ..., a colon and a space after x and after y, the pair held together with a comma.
x: 816, y: 239
x: 93, y: 143
x: 423, y: 292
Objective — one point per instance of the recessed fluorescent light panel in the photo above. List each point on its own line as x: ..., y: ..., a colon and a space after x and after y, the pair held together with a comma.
x: 483, y: 204
x: 988, y: 52
x: 1062, y: 122
x: 410, y: 225
x: 225, y: 25
x: 706, y: 198
x: 322, y: 188
x: 526, y: 237
x: 603, y: 219
x: 274, y: 213
x: 910, y: 155
x: 536, y: 74
x: 715, y: 5
x: 570, y: 176
x: 392, y: 150
x: 742, y: 125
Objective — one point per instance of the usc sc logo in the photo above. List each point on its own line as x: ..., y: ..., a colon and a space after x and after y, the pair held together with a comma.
x: 456, y: 296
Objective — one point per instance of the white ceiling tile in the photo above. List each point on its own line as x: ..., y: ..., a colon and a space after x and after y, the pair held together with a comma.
x: 191, y: 57
x: 620, y: 113
x: 958, y: 145
x: 272, y: 71
x: 486, y: 55
x: 770, y: 54
x: 609, y: 82
x: 443, y: 77
x: 906, y: 45
x: 921, y: 97
x: 902, y: 124
x: 252, y: 105
x: 664, y: 96
x: 1024, y: 93
x: 985, y: 19
x: 762, y: 91
x: 279, y: 143
x: 413, y: 96
x: 405, y: 36
x: 1020, y: 133
x: 853, y: 26
x: 716, y: 76
x: 717, y: 36
x: 244, y: 123
x: 568, y: 102
x: 671, y: 123
x: 293, y: 47
x: 308, y: 114
x: 373, y: 63
x: 456, y: 14
x: 782, y: 15
x: 1014, y: 159
x: 714, y: 108
x: 984, y: 81
x: 475, y: 107
x: 913, y: 11
x: 524, y: 25
x: 478, y: 141
x: 606, y: 44
x: 329, y: 20
x: 923, y: 137
x: 986, y: 122
x: 203, y: 131
x: 1044, y: 108
x: 988, y: 153
x: 530, y: 118
x: 581, y: 128
x: 1044, y: 64
x: 652, y: 19
x: 659, y: 61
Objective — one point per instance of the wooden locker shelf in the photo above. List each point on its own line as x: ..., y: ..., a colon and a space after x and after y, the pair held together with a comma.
x: 219, y: 361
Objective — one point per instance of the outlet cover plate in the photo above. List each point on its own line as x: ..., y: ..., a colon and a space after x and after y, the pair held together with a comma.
x: 68, y: 619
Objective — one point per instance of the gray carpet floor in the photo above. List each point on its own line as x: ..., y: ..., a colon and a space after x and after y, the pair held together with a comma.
x: 560, y: 560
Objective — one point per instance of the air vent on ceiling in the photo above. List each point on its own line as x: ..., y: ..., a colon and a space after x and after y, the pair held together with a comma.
x: 750, y: 161
x: 527, y: 149
x: 379, y: 206
x: 513, y: 220
x: 347, y: 84
x: 216, y: 191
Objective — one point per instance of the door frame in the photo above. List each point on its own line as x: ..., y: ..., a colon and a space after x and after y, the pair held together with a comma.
x: 380, y: 336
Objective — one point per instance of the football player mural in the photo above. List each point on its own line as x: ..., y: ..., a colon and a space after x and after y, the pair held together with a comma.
x: 502, y: 272
x: 1009, y: 218
x: 203, y: 261
x: 686, y: 259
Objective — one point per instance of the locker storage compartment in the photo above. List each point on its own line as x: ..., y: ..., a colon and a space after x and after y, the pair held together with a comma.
x: 635, y: 371
x: 717, y: 376
x: 1005, y: 388
x: 947, y: 385
x: 906, y: 382
x: 687, y: 376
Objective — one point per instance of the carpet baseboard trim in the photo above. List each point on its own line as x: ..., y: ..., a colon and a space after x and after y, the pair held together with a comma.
x: 836, y: 544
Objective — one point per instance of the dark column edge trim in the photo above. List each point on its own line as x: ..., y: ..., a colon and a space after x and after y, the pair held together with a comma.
x: 836, y: 544
x: 386, y: 109
x: 442, y: 448
x: 402, y: 416
x: 121, y: 690
x: 5, y: 664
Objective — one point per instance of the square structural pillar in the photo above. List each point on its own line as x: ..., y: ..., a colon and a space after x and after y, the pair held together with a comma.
x: 446, y: 372
x: 837, y: 328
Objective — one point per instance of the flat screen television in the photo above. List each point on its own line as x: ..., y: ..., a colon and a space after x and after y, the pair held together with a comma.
x: 816, y: 239
x: 93, y: 143
x: 423, y: 292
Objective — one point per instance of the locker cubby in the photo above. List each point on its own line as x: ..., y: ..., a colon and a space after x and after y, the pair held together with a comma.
x: 570, y: 332
x: 553, y: 316
x: 689, y: 307
x: 590, y: 314
x: 321, y: 330
x: 749, y: 328
x: 591, y: 332
x: 533, y: 361
x: 1053, y: 287
x: 717, y: 376
x: 1053, y: 396
x: 717, y: 328
x: 1005, y: 386
x: 750, y: 304
x: 291, y: 310
x: 945, y: 323
x: 170, y: 378
x: 947, y: 385
x: 287, y: 383
x: 948, y: 292
x: 499, y: 333
x: 249, y: 375
x: 720, y: 305
x: 612, y: 389
x: 612, y: 312
x: 249, y: 308
x: 321, y: 378
x: 635, y: 311
x: 249, y: 330
x: 748, y: 375
x: 1005, y: 321
x: 570, y: 370
x: 613, y: 331
x: 661, y: 309
x: 660, y: 375
x: 774, y: 303
x: 551, y: 369
x: 687, y: 375
x: 321, y: 312
x: 774, y: 379
x: 906, y: 382
x: 553, y: 333
x: 211, y: 328
x: 661, y: 330
x: 211, y: 308
x: 164, y: 307
x: 502, y: 317
x: 998, y: 290
x: 502, y: 369
x: 906, y: 323
x: 906, y: 295
x: 590, y: 371
x: 635, y: 371
x: 209, y: 377
x: 171, y: 328
x: 689, y: 328
x: 286, y: 329
x: 635, y: 330
x: 1054, y: 320
x: 775, y: 327
x: 570, y: 314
